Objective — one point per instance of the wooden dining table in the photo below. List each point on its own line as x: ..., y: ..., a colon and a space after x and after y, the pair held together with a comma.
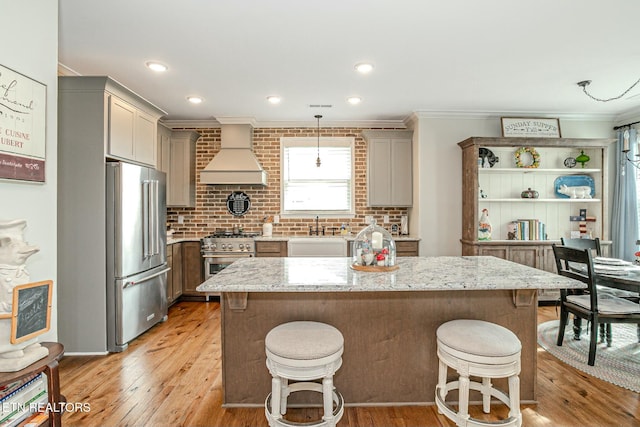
x: 630, y: 282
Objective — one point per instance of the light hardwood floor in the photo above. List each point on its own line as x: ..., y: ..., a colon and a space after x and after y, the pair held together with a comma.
x: 170, y: 376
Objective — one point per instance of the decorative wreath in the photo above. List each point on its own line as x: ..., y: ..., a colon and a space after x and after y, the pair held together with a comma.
x: 534, y: 155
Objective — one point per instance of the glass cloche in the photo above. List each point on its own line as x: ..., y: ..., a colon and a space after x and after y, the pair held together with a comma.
x: 374, y: 250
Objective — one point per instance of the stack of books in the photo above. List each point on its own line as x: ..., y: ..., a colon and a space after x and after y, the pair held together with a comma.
x: 526, y: 229
x: 22, y: 399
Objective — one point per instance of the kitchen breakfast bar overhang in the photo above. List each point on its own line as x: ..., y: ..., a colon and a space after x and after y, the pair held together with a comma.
x: 388, y: 319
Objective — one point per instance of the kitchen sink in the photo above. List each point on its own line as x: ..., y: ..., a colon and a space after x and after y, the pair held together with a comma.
x: 317, y: 247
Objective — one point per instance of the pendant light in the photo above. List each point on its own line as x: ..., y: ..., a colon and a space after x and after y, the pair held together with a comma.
x: 318, y: 117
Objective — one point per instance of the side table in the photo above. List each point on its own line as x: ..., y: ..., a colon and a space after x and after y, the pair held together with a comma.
x: 48, y: 365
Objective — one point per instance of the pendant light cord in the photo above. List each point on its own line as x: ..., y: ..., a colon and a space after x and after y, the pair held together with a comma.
x: 318, y: 162
x: 583, y: 84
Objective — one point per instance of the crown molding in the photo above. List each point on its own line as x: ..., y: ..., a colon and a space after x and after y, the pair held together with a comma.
x: 63, y: 70
x: 483, y: 115
x: 213, y: 123
x: 239, y: 120
x: 367, y: 124
x: 191, y: 124
x: 408, y: 122
x: 628, y: 116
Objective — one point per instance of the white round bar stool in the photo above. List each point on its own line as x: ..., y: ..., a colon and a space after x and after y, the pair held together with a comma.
x: 481, y: 349
x: 303, y: 351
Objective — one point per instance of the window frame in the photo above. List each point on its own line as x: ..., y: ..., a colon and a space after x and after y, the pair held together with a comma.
x: 327, y: 141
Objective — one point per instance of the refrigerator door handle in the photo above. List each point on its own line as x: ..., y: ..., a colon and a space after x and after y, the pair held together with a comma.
x: 152, y: 217
x: 156, y: 204
x: 145, y: 219
x: 132, y: 283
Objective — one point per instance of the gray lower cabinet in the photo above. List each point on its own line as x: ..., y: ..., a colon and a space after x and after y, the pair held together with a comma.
x: 186, y: 270
x: 535, y: 255
x: 403, y: 248
x: 276, y: 248
x: 174, y: 278
x: 192, y: 274
x: 406, y: 248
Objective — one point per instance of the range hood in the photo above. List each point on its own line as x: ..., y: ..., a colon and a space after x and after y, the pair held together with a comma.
x: 235, y: 163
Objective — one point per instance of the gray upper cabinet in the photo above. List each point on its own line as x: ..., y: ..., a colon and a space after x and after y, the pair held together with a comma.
x: 389, y: 168
x: 122, y: 121
x: 177, y: 158
x: 164, y: 139
x: 132, y: 133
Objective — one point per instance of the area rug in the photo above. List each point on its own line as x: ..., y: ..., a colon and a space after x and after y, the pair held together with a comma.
x: 618, y: 364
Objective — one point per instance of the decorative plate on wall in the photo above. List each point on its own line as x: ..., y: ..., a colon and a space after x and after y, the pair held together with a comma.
x: 574, y: 181
x: 238, y: 203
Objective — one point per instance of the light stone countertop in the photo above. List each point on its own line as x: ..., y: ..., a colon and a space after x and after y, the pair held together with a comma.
x: 415, y: 274
x: 348, y: 237
x: 172, y: 240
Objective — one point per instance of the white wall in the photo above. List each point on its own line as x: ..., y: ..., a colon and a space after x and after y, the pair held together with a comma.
x: 437, y: 212
x: 29, y: 34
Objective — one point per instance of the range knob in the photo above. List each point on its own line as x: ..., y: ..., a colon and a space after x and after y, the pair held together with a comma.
x: 213, y: 246
x: 241, y: 246
x: 224, y: 247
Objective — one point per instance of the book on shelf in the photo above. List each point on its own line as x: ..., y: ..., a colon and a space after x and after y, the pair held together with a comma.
x: 9, y: 388
x: 23, y: 400
x: 526, y: 229
x: 35, y: 419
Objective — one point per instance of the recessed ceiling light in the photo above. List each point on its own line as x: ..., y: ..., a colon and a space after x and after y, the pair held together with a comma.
x: 274, y: 99
x: 195, y: 99
x: 354, y: 100
x: 364, y: 68
x: 156, y: 66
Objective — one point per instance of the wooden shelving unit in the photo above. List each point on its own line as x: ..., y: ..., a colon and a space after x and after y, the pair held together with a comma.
x: 502, y: 184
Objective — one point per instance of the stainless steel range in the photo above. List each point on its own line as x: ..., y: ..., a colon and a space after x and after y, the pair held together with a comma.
x: 222, y: 248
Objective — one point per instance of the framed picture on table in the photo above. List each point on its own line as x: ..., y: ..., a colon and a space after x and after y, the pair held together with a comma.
x: 31, y: 310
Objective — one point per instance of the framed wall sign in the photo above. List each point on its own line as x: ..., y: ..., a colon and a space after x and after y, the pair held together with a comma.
x: 31, y: 310
x: 23, y: 108
x: 238, y: 203
x: 531, y: 127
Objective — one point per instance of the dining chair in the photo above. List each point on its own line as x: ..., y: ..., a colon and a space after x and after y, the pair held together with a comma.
x: 592, y: 307
x: 593, y: 244
x: 605, y: 330
x: 596, y: 250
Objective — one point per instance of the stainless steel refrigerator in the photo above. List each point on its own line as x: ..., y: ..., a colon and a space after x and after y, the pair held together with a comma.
x: 136, y: 252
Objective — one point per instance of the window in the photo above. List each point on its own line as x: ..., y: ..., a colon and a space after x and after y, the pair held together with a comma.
x: 310, y: 190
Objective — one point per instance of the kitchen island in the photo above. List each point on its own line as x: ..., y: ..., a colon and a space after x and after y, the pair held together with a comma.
x: 388, y: 319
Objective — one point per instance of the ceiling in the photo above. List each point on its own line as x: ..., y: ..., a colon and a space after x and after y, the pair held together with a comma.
x: 429, y: 56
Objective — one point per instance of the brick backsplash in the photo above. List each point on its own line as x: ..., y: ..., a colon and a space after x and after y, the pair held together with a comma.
x: 211, y: 212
